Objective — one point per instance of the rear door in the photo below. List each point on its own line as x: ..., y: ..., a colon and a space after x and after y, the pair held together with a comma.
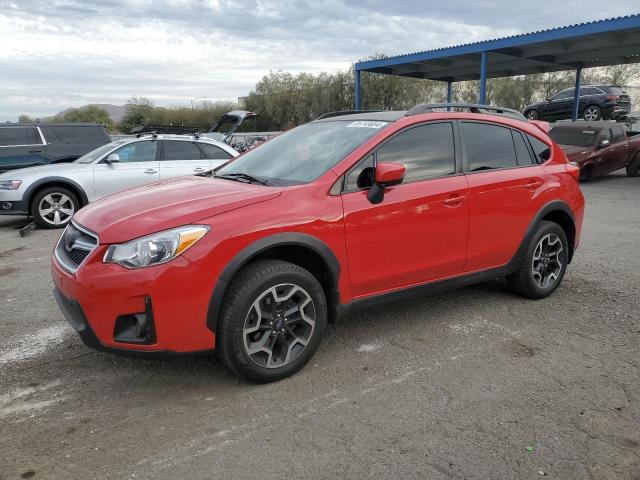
x: 418, y: 233
x: 180, y: 158
x: 21, y: 147
x: 138, y: 165
x: 504, y: 183
x: 620, y: 149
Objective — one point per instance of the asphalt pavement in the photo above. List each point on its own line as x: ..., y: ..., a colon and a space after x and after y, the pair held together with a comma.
x: 472, y: 384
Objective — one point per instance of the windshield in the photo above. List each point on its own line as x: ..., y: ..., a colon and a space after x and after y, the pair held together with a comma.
x: 98, y: 152
x: 303, y: 154
x: 573, y: 136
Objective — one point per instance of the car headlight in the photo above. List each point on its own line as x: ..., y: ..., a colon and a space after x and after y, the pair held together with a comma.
x: 155, y: 249
x: 10, y: 184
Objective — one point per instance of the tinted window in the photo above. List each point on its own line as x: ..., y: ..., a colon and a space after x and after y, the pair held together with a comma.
x: 617, y: 134
x: 541, y: 149
x: 176, y: 150
x: 605, y: 134
x: 425, y: 151
x: 212, y: 152
x: 361, y: 175
x: 75, y: 134
x: 563, y: 95
x: 590, y: 91
x: 616, y: 91
x: 522, y: 151
x: 489, y: 147
x: 138, y: 152
x: 19, y: 136
x: 580, y: 137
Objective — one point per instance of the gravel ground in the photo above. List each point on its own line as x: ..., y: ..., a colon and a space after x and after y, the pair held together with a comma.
x: 472, y: 384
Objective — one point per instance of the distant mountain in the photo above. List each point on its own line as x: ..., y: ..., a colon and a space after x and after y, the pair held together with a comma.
x: 116, y: 112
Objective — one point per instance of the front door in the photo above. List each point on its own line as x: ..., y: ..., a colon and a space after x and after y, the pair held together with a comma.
x: 180, y: 158
x: 418, y: 233
x: 137, y: 166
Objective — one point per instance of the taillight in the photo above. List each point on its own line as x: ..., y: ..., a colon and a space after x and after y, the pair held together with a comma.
x: 613, y: 97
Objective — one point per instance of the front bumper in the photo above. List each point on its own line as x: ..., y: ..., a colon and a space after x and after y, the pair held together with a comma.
x: 98, y: 295
x: 17, y: 207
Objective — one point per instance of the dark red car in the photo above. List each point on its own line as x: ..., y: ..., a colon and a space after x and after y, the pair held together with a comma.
x: 339, y: 213
x: 599, y: 147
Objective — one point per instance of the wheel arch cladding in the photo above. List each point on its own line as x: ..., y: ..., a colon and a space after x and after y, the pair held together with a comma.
x: 558, y: 212
x: 301, y: 249
x: 70, y: 185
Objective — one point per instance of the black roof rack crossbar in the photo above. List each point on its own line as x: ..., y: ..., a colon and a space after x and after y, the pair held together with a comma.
x: 472, y: 107
x: 344, y: 112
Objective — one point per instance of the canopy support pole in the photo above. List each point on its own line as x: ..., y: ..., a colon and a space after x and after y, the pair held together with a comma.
x: 576, y: 95
x: 357, y: 93
x: 483, y: 78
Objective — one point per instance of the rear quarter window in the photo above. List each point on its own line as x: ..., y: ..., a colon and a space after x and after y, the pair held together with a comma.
x: 541, y: 150
x: 13, y: 136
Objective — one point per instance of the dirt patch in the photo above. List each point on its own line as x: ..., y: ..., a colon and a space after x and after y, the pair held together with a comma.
x: 518, y: 349
x: 8, y: 253
x: 7, y: 271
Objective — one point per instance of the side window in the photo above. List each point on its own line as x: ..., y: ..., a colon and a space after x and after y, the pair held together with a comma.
x: 563, y: 95
x: 522, y: 151
x: 541, y: 149
x: 488, y: 146
x: 426, y: 151
x: 75, y: 134
x: 360, y: 176
x: 212, y: 152
x: 605, y: 134
x: 138, y: 152
x: 178, y: 150
x: 617, y: 134
x: 590, y: 91
x: 19, y: 136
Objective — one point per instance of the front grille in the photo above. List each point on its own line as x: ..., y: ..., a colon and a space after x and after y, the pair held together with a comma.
x: 74, y: 246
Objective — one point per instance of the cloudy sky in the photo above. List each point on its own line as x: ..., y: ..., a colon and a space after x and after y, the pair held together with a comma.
x: 60, y: 53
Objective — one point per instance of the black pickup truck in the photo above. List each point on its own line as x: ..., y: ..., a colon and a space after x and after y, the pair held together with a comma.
x: 28, y: 145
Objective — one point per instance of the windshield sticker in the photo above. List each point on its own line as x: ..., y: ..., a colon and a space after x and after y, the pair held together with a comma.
x: 362, y: 124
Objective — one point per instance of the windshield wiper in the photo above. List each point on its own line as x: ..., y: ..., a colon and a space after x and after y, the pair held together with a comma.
x: 243, y: 176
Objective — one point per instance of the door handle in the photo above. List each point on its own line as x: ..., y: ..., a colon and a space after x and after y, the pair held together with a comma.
x: 453, y: 201
x: 35, y: 151
x: 533, y: 185
x: 150, y: 170
x: 198, y: 169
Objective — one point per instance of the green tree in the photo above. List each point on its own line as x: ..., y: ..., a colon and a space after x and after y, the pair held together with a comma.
x: 90, y: 114
x: 139, y: 111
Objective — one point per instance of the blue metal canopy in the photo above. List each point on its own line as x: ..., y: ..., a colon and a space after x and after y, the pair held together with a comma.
x: 600, y: 43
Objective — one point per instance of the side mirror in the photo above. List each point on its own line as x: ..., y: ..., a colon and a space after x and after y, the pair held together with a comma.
x: 386, y: 175
x: 113, y: 158
x: 605, y: 142
x: 547, y: 100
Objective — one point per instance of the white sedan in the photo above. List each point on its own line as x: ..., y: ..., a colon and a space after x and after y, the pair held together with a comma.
x: 53, y: 193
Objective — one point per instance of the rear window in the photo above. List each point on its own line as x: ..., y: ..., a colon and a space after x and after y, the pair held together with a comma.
x: 75, y: 134
x: 13, y: 136
x: 489, y: 147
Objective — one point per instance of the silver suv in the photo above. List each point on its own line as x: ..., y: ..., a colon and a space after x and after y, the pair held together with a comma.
x: 53, y: 193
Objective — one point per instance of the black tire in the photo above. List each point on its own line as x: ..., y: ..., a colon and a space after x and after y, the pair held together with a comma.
x: 586, y: 173
x: 248, y: 286
x: 60, y: 193
x: 532, y: 114
x: 593, y: 113
x: 633, y: 169
x: 523, y: 282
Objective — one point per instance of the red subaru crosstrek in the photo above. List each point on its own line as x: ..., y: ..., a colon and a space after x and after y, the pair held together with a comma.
x: 253, y: 260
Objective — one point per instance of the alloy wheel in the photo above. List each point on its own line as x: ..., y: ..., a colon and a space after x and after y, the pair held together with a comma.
x: 547, y: 262
x: 279, y: 325
x: 591, y: 113
x: 56, y: 208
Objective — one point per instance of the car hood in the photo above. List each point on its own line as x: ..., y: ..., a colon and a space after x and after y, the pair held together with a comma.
x: 575, y: 153
x: 45, y: 171
x: 168, y: 204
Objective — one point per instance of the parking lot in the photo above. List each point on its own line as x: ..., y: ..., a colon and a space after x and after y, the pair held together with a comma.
x: 475, y: 383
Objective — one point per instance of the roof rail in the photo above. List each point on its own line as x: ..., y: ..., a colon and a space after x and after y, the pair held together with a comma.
x: 146, y: 134
x: 472, y: 107
x: 344, y: 112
